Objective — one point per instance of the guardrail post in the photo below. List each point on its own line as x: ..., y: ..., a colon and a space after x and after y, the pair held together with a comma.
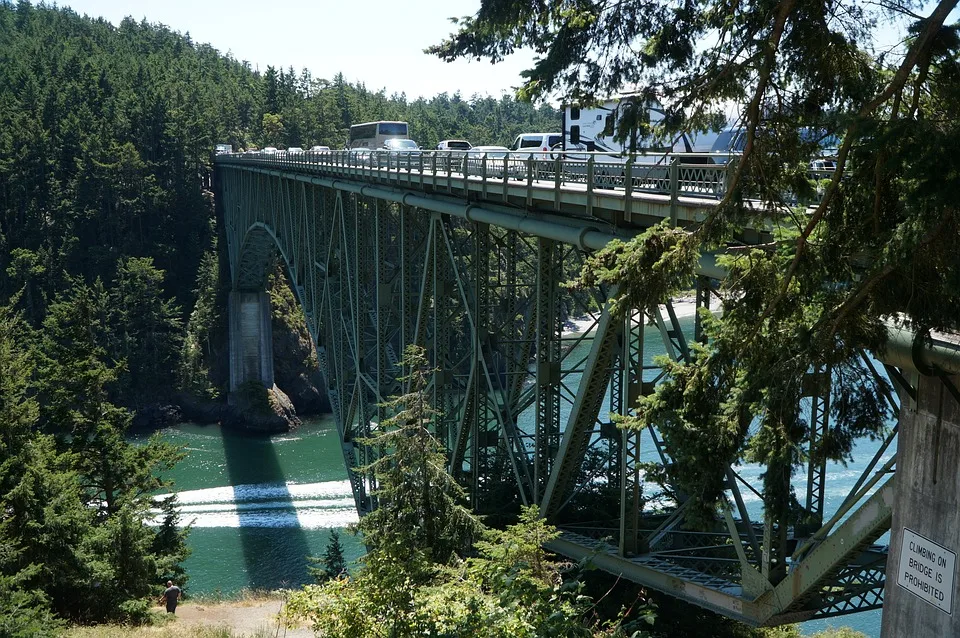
x: 628, y: 189
x: 590, y: 162
x: 674, y: 189
x: 556, y: 182
x: 506, y: 176
x: 483, y: 176
x: 530, y: 166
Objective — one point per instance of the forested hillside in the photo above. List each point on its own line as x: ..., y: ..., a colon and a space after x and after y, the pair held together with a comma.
x: 106, y: 134
x: 109, y: 279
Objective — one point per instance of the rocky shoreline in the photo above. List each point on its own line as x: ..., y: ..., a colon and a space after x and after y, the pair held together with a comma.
x: 274, y: 414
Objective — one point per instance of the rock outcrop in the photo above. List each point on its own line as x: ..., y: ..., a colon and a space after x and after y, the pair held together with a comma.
x: 253, y: 409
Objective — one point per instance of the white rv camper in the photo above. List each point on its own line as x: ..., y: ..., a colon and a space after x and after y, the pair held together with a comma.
x: 594, y: 129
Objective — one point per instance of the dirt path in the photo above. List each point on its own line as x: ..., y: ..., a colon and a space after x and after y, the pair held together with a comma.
x: 244, y: 617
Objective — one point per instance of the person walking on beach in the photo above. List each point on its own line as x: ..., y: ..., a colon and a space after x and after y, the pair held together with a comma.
x: 171, y: 595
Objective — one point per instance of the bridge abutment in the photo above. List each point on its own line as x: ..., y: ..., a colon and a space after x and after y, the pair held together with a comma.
x: 922, y: 595
x: 251, y: 339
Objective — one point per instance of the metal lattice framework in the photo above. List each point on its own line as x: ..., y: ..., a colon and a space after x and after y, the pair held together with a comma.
x: 473, y: 272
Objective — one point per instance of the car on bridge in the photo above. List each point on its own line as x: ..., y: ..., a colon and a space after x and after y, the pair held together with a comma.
x: 489, y: 151
x: 497, y: 161
x: 406, y: 152
x: 317, y: 149
x: 450, y: 153
x: 456, y: 147
x: 294, y: 150
x: 359, y: 156
x: 538, y: 145
x: 402, y: 146
x: 270, y: 150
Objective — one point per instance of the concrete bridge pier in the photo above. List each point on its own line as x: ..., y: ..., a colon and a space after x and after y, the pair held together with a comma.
x: 922, y: 594
x: 251, y: 340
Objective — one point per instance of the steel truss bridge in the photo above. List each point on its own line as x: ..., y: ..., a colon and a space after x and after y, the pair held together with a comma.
x: 467, y: 257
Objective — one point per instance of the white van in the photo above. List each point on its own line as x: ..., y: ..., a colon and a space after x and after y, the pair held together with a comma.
x: 538, y: 145
x: 454, y: 145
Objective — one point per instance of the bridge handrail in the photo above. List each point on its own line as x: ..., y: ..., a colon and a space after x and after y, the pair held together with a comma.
x: 675, y: 175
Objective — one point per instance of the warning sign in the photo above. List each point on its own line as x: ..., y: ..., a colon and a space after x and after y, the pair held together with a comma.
x: 926, y: 570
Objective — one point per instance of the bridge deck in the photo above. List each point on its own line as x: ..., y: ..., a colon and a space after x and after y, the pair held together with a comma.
x: 681, y: 192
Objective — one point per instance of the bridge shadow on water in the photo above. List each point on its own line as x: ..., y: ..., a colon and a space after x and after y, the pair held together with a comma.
x: 274, y: 544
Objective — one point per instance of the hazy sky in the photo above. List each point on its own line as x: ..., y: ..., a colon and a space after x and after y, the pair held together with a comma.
x: 378, y: 42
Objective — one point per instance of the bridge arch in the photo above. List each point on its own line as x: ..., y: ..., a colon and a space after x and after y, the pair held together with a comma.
x: 258, y: 250
x: 249, y: 310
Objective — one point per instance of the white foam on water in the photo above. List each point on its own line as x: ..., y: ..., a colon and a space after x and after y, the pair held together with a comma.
x: 263, y: 492
x: 262, y: 505
x: 291, y: 518
x: 305, y: 505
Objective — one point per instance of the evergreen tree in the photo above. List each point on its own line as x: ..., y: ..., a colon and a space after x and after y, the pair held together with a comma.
x: 110, y: 479
x: 201, y: 329
x: 147, y: 328
x: 416, y: 579
x: 332, y: 564
x: 29, y: 470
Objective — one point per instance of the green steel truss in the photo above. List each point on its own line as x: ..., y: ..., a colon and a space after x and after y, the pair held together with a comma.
x: 525, y: 407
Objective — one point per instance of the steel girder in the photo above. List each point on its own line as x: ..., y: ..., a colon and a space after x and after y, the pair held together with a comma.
x: 521, y: 404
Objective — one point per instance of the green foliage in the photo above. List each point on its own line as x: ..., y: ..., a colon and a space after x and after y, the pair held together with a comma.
x: 332, y: 564
x: 25, y: 613
x: 255, y: 398
x: 75, y: 495
x: 420, y: 515
x: 876, y: 244
x: 202, y: 327
x: 288, y: 316
x: 667, y: 257
x: 432, y: 569
x: 272, y: 129
x: 147, y: 328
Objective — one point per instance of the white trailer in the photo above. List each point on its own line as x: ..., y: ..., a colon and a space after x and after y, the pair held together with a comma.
x: 594, y: 129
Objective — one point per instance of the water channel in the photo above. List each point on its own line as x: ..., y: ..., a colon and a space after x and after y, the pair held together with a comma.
x: 259, y: 505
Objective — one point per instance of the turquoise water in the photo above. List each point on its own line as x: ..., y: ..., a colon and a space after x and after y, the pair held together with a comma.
x: 260, y: 505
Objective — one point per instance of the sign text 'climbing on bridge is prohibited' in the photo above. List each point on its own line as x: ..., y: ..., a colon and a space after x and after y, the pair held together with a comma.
x: 926, y: 570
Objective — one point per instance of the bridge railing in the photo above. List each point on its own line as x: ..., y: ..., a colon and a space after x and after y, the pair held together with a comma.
x: 695, y: 175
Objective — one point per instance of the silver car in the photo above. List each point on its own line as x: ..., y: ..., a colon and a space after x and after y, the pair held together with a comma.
x: 497, y: 161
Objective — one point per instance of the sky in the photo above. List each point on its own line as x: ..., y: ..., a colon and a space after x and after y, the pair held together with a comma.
x: 377, y: 42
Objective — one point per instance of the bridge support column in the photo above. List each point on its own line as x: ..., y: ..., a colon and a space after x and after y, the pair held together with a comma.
x: 251, y: 339
x: 922, y: 595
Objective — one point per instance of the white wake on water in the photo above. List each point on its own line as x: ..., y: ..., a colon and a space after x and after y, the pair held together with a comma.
x: 305, y: 505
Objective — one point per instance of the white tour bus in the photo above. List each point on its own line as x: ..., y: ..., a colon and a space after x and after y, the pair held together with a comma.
x: 372, y: 135
x: 594, y: 130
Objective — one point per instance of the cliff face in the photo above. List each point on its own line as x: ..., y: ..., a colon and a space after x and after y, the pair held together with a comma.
x: 295, y: 366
